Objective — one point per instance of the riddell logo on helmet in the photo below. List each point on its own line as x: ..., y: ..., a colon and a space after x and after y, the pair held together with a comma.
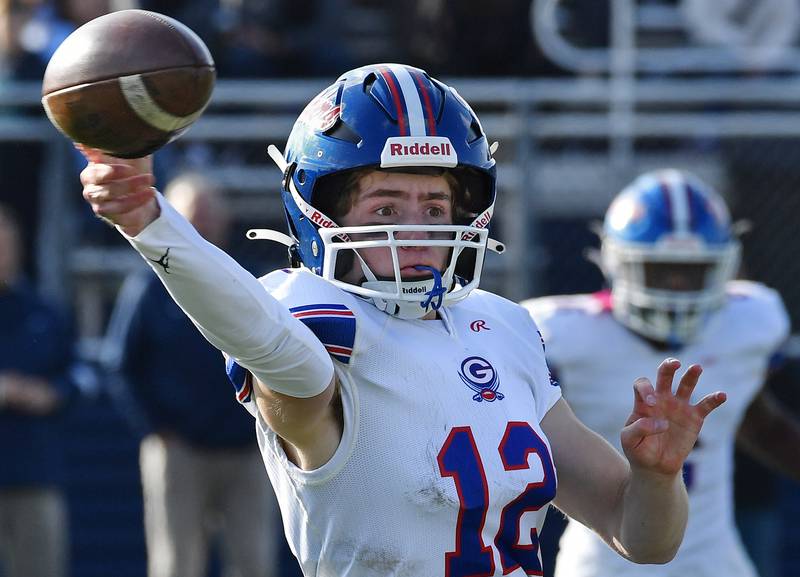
x: 483, y: 220
x: 418, y: 151
x: 397, y: 149
x: 319, y: 219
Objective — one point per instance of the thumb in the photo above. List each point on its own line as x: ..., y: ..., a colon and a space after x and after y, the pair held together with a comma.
x: 635, y: 432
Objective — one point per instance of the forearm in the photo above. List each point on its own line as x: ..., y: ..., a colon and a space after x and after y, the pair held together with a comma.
x: 232, y: 309
x: 655, y: 509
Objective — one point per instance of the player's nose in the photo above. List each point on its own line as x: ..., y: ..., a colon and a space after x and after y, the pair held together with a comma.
x: 413, y: 235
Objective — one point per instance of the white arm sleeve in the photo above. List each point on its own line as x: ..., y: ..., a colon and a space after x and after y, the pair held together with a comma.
x: 232, y: 309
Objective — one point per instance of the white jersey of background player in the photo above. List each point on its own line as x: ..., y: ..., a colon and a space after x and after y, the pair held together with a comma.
x: 406, y: 420
x: 669, y: 254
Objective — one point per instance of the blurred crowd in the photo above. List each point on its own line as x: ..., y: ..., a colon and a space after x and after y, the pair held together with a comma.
x: 301, y: 38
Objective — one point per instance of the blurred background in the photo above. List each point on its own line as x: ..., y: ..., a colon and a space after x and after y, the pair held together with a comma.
x: 581, y: 94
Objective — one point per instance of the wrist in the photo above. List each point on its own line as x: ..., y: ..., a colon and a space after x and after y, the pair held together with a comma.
x: 649, y: 481
x: 135, y: 224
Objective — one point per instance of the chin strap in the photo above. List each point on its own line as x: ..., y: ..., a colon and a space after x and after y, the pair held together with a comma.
x: 437, y: 292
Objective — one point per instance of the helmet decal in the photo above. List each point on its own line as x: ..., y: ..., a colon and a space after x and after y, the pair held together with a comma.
x: 323, y: 111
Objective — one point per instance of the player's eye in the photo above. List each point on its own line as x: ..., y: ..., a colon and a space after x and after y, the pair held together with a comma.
x: 385, y: 211
x: 436, y: 211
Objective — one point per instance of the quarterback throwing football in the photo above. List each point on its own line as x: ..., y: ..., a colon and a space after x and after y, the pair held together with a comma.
x: 407, y: 419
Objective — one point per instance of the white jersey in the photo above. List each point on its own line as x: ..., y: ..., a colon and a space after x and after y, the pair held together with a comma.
x: 443, y: 468
x: 596, y: 359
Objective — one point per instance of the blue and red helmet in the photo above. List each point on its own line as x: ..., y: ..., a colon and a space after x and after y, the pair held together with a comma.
x: 668, y: 251
x: 388, y: 117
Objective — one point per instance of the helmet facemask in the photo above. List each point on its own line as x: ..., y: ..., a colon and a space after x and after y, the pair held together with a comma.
x: 408, y: 296
x: 667, y: 293
x: 455, y: 251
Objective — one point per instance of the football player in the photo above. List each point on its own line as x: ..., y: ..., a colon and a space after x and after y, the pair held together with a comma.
x: 669, y: 253
x: 407, y: 420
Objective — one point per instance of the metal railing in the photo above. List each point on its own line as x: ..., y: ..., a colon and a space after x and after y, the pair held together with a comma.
x: 537, y: 179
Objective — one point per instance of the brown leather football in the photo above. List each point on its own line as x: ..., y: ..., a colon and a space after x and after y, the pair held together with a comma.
x: 128, y: 82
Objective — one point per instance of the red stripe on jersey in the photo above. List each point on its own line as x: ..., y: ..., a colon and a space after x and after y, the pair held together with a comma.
x: 339, y: 350
x: 323, y: 313
x: 245, y: 392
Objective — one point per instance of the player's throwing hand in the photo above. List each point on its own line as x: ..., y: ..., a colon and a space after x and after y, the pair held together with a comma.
x: 120, y: 191
x: 663, y: 426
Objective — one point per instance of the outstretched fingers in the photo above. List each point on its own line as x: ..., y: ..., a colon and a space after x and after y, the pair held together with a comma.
x: 665, y: 375
x: 688, y: 382
x: 710, y: 402
x: 644, y: 396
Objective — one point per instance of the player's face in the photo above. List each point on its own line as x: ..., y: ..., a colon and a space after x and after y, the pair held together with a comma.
x: 385, y: 198
x: 676, y: 276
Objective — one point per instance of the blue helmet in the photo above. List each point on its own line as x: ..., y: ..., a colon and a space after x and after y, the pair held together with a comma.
x: 388, y: 117
x: 668, y: 251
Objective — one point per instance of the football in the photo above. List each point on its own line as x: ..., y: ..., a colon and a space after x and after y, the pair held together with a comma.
x: 128, y: 82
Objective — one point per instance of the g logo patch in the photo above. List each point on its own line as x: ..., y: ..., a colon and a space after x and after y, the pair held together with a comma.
x: 479, y: 375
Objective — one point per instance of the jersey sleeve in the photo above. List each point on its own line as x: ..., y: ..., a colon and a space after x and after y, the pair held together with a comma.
x: 547, y: 391
x: 559, y: 321
x: 323, y: 309
x: 762, y: 316
x: 242, y: 381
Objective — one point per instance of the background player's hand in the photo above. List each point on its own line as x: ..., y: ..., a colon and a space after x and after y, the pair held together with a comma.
x: 664, y: 426
x: 120, y: 190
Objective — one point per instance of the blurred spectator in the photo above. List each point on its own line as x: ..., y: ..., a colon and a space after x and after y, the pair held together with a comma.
x: 36, y: 355
x: 471, y: 38
x: 19, y: 161
x: 200, y: 466
x: 30, y: 32
x: 33, y: 29
x: 265, y: 38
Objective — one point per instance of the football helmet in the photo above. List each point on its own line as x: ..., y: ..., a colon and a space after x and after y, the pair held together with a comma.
x: 397, y: 118
x: 668, y: 250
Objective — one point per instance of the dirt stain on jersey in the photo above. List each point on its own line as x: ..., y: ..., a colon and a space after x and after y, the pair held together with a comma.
x: 377, y: 561
x: 434, y: 496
